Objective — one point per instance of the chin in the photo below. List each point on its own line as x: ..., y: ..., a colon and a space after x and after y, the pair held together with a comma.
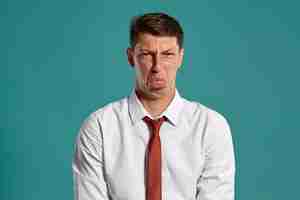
x: 158, y: 88
x: 160, y: 91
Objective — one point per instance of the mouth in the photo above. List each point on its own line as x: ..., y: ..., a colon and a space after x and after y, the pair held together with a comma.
x: 153, y: 78
x: 156, y: 80
x: 157, y: 83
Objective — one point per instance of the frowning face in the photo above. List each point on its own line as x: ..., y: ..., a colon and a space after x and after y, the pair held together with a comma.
x: 156, y: 60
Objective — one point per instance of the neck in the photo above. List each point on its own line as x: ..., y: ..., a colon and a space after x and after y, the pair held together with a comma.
x: 155, y: 106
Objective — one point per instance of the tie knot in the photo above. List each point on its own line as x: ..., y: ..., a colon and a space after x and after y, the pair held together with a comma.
x: 155, y: 124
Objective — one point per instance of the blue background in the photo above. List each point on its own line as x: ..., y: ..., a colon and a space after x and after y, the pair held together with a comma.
x: 61, y: 60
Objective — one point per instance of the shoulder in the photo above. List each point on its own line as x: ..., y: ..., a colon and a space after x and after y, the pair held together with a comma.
x: 215, y: 130
x: 111, y: 109
x: 106, y: 113
x: 195, y: 110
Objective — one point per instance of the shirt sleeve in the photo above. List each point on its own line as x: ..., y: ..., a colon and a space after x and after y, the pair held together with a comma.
x: 218, y: 176
x: 87, y: 165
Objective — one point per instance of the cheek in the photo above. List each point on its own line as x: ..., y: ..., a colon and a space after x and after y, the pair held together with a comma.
x: 141, y: 71
x: 142, y: 61
x: 172, y: 63
x: 171, y: 69
x: 172, y: 75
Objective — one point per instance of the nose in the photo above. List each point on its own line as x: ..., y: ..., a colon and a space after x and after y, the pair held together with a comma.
x: 156, y: 67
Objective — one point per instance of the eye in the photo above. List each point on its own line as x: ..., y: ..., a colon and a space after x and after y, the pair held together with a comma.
x: 168, y: 54
x: 145, y: 54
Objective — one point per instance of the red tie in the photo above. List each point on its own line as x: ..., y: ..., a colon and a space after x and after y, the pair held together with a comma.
x: 153, y: 180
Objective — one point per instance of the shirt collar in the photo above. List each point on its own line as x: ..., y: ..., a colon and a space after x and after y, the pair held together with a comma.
x: 137, y: 110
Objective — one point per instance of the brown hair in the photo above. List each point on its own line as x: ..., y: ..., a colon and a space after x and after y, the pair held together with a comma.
x: 157, y: 24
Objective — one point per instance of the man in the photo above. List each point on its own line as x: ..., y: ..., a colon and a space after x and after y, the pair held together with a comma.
x: 154, y: 144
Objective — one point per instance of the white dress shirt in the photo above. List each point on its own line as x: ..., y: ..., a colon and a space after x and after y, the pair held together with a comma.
x: 197, y: 153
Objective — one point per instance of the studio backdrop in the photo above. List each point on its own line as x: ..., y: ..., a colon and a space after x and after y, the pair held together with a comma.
x: 61, y: 60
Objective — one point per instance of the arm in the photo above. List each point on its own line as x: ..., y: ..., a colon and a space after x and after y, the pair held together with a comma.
x: 88, y: 171
x: 217, y: 179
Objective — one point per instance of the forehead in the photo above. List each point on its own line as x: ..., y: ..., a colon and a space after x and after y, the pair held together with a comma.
x: 151, y: 42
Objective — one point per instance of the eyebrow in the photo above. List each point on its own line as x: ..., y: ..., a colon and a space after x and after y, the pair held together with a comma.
x: 171, y: 49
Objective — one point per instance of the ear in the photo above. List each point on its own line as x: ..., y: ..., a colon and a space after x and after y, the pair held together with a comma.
x: 181, y: 53
x: 130, y: 59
